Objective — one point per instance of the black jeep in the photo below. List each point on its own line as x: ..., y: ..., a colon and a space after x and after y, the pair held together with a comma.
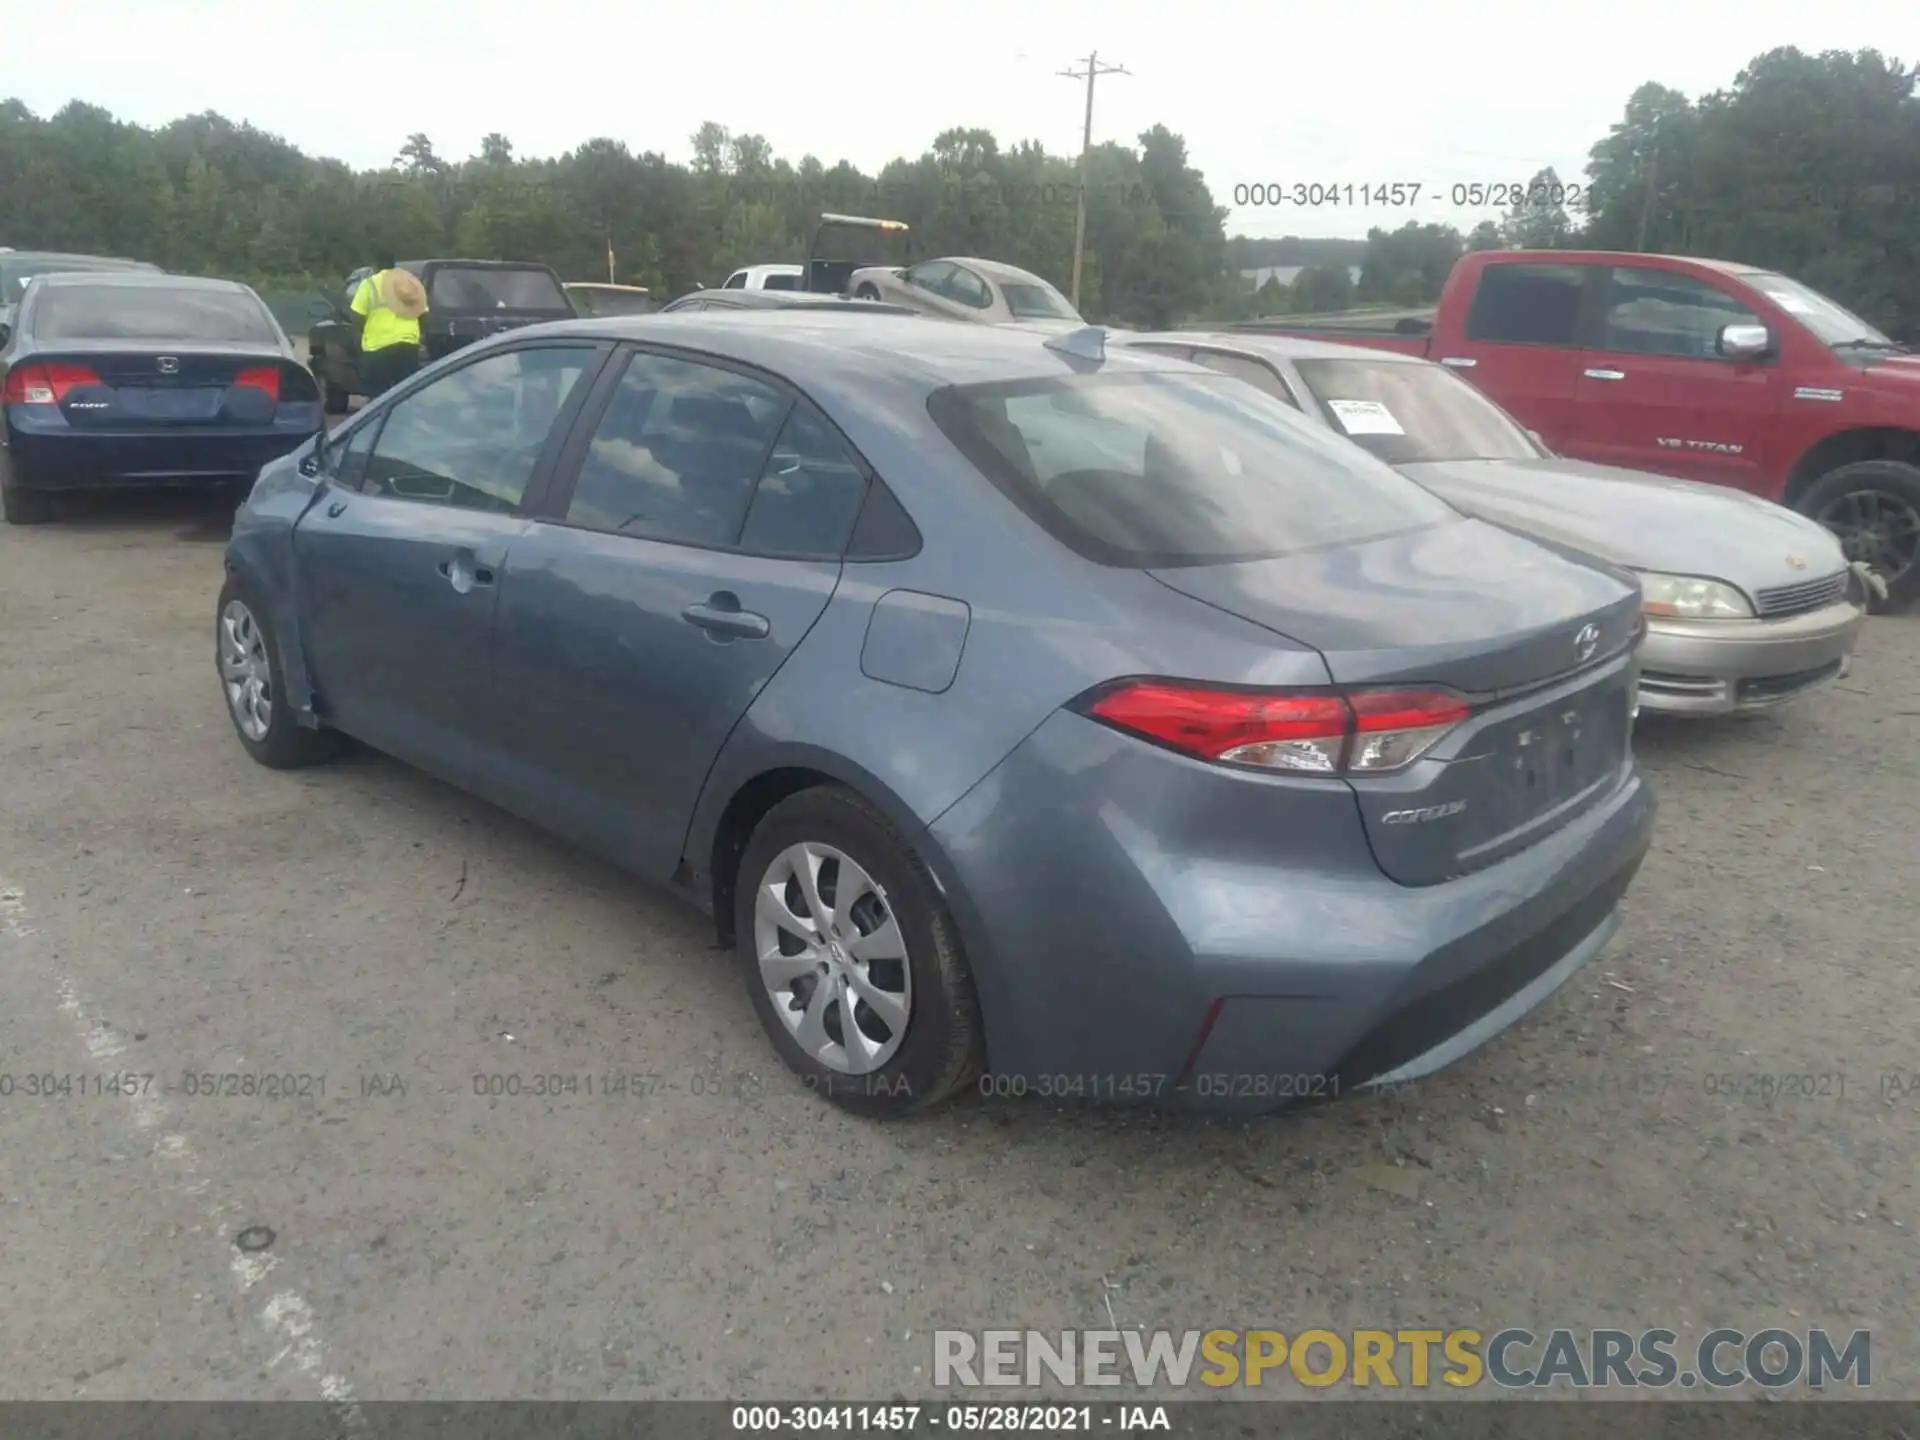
x: 467, y: 300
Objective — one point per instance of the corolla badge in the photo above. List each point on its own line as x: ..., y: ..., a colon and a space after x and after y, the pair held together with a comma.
x: 1585, y: 643
x: 168, y: 364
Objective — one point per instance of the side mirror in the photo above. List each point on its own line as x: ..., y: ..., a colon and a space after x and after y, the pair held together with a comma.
x: 1744, y: 342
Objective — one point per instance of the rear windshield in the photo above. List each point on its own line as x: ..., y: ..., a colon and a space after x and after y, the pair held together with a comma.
x: 14, y: 274
x: 1408, y: 414
x: 1038, y: 302
x: 1170, y: 469
x: 454, y: 288
x: 151, y: 312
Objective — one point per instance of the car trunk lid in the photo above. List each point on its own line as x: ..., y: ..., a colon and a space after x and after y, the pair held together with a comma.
x: 144, y: 385
x: 1539, y: 643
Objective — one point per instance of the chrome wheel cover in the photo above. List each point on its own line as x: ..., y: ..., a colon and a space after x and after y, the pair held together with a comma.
x: 244, y: 672
x: 833, y: 958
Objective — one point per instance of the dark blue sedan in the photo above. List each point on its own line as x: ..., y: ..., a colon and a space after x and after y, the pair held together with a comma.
x: 1031, y: 717
x: 134, y: 380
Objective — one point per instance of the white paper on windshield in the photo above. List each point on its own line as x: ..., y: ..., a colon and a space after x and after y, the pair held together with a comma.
x: 1364, y: 417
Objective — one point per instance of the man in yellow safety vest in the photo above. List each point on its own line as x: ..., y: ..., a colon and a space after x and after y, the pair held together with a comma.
x: 389, y: 304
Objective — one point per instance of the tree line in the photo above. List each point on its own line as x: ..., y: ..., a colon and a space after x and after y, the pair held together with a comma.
x: 1809, y: 164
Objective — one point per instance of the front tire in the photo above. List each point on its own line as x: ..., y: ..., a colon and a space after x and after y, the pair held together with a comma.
x: 853, y: 963
x: 248, y: 661
x: 1873, y: 508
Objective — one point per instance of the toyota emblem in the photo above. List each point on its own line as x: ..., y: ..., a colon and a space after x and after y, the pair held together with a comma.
x: 1798, y: 562
x: 169, y: 364
x: 1585, y: 643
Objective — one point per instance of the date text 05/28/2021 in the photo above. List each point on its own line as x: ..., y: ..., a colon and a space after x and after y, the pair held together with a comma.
x: 962, y: 1419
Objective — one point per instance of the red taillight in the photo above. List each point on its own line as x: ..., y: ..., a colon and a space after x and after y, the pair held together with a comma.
x: 260, y: 377
x: 1310, y: 731
x: 46, y: 384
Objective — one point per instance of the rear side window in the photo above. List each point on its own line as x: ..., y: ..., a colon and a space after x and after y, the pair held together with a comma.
x: 676, y: 453
x: 808, y: 494
x: 1528, y: 304
x: 151, y: 312
x: 1167, y: 470
x: 472, y: 288
x: 782, y: 282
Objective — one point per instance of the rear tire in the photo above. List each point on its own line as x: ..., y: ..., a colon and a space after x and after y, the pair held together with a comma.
x: 866, y: 292
x: 245, y: 653
x: 1885, y: 495
x: 895, y: 937
x: 22, y: 507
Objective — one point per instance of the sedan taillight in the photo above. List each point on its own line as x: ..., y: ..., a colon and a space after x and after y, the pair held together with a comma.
x: 260, y: 377
x: 1315, y: 732
x: 44, y: 384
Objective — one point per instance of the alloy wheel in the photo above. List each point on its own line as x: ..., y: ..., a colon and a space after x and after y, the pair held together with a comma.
x: 833, y: 958
x: 1878, y: 527
x: 244, y: 672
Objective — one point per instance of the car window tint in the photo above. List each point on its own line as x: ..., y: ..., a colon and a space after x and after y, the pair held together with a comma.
x: 1254, y: 372
x: 808, y: 494
x: 782, y: 282
x: 1656, y: 312
x: 1528, y: 304
x: 735, y: 281
x: 158, y: 313
x: 677, y: 452
x: 931, y: 276
x: 969, y: 289
x: 471, y: 438
x: 1161, y: 469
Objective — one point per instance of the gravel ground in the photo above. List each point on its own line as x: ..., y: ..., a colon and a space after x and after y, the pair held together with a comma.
x: 169, y: 907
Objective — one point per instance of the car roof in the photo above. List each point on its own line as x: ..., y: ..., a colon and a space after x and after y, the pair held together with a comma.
x: 142, y: 279
x: 37, y: 255
x: 780, y: 268
x: 855, y: 346
x: 791, y: 300
x: 1280, y: 347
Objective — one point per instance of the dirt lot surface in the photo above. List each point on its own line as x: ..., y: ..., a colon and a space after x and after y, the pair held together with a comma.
x: 167, y: 907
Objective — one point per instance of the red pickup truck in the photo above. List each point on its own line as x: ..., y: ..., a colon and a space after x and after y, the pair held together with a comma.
x: 1702, y: 369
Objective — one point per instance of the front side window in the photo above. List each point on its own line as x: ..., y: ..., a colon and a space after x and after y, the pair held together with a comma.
x: 472, y: 438
x: 347, y: 460
x: 1659, y: 312
x: 1528, y: 304
x: 156, y: 313
x: 1153, y: 470
x: 1408, y: 413
x: 676, y: 453
x: 736, y: 281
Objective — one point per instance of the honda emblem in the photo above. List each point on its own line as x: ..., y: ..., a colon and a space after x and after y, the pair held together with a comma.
x: 169, y: 364
x: 1585, y: 643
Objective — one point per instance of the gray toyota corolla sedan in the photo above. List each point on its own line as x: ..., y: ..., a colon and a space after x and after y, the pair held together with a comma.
x: 1032, y: 720
x: 1748, y: 603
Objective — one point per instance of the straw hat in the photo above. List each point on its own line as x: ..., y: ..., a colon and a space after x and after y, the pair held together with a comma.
x: 404, y: 295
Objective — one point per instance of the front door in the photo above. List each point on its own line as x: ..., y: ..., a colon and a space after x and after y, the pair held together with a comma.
x: 400, y: 558
x: 694, y: 536
x: 1656, y: 394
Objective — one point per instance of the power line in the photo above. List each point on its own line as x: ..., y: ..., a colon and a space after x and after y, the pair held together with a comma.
x: 1094, y: 70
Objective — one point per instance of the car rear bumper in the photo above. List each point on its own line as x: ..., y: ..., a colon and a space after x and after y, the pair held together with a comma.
x: 70, y: 460
x: 1715, y: 667
x: 1148, y: 935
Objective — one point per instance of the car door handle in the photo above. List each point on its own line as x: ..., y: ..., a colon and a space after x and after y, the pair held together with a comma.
x: 464, y: 572
x: 336, y: 509
x: 721, y: 616
x: 1458, y: 362
x: 1605, y: 374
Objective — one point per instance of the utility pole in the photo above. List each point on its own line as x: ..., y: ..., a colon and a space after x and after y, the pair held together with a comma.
x: 1093, y: 71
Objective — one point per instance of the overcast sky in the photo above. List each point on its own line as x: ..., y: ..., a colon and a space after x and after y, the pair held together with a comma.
x: 1345, y: 92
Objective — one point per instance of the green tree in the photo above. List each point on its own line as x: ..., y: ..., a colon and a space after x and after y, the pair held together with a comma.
x: 1322, y: 288
x: 1538, y: 220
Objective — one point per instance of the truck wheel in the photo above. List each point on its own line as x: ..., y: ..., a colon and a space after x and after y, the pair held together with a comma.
x: 1873, y: 507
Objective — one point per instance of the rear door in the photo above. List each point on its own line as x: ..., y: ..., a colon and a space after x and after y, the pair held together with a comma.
x: 1655, y: 393
x: 1522, y: 341
x: 694, y: 536
x: 400, y: 556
